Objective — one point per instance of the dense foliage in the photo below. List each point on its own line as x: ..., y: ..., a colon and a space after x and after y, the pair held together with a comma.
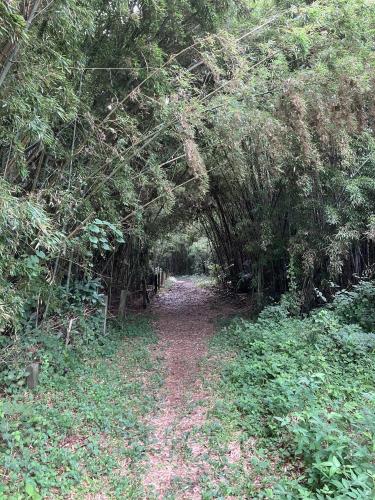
x: 86, y: 141
x: 82, y: 431
x: 305, y: 389
x: 292, y: 148
x: 121, y: 119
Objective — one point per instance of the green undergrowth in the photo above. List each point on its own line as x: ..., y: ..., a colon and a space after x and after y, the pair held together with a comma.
x: 200, y: 280
x: 81, y: 430
x: 297, y: 395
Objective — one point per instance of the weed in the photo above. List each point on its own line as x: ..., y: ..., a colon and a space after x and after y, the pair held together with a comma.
x: 301, y: 392
x: 82, y: 430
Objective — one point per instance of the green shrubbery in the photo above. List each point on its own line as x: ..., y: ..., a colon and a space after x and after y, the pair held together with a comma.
x: 83, y: 421
x: 306, y: 387
x: 79, y: 312
x: 357, y: 305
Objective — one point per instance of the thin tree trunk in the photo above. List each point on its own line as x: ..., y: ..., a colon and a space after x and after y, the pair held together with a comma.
x: 13, y: 54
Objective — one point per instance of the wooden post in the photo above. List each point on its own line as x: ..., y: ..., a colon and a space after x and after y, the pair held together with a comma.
x: 122, y: 307
x: 32, y: 375
x: 37, y: 311
x: 105, y: 313
x: 110, y: 284
x: 144, y: 293
x: 155, y: 283
x: 67, y: 339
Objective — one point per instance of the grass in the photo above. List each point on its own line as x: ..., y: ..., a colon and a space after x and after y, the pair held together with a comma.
x: 82, y: 432
x: 239, y: 465
x: 200, y: 280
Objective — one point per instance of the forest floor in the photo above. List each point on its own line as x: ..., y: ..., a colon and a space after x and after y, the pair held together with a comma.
x: 125, y: 416
x: 184, y: 403
x: 185, y: 317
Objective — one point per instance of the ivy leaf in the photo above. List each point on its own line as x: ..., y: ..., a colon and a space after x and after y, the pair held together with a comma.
x: 40, y: 254
x: 93, y: 228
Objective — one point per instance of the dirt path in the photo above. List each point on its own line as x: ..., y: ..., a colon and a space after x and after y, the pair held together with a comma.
x: 185, y: 322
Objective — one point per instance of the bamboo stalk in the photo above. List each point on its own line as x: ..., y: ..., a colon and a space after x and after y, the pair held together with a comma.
x: 13, y: 54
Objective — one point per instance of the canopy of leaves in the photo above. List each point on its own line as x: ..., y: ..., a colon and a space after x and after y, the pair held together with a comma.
x: 255, y: 118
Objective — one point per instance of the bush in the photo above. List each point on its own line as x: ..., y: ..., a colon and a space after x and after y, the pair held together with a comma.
x: 299, y: 384
x: 80, y: 310
x: 357, y: 305
x: 354, y: 341
x: 338, y: 463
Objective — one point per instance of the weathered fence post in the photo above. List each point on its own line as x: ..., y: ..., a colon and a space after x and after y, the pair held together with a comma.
x: 144, y: 294
x: 155, y: 283
x: 67, y: 339
x: 122, y: 307
x: 105, y: 313
x: 158, y: 278
x: 32, y: 375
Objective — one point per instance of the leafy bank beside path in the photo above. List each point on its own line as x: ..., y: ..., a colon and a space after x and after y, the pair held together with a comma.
x: 81, y: 434
x: 280, y: 407
x: 294, y: 411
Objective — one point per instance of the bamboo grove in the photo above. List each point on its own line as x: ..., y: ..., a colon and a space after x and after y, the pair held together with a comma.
x: 122, y: 120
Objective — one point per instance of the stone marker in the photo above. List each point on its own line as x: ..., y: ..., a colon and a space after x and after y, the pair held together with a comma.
x: 33, y: 374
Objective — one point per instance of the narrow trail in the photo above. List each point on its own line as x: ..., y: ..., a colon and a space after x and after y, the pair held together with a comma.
x: 185, y: 317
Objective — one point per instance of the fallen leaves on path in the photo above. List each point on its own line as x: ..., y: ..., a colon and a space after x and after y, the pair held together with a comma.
x: 185, y: 317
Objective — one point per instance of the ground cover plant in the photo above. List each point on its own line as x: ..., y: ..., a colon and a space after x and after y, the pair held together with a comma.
x: 82, y: 430
x: 299, y: 397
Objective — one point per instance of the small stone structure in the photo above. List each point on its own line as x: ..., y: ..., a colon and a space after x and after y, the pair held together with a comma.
x: 32, y: 375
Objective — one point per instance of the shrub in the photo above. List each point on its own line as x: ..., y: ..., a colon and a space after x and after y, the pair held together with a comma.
x: 354, y: 341
x: 337, y: 463
x: 357, y: 305
x: 299, y: 384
